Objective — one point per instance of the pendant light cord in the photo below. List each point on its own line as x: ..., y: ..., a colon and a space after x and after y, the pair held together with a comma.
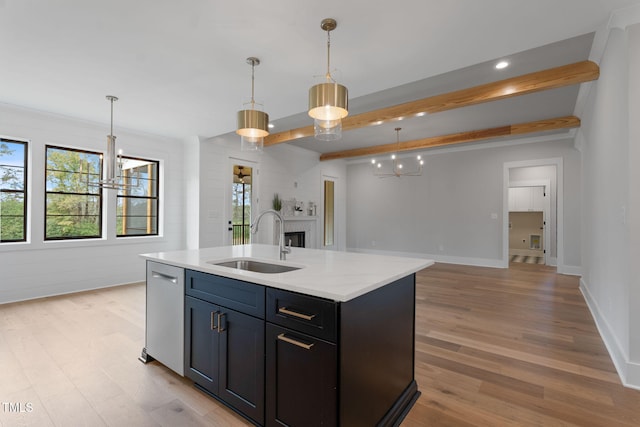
x: 253, y: 67
x: 329, y: 79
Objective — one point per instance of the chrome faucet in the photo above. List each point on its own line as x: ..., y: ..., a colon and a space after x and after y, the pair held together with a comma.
x: 284, y: 250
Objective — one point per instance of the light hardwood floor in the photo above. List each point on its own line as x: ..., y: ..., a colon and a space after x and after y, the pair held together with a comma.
x: 493, y: 347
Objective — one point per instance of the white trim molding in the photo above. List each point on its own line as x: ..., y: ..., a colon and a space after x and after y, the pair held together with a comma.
x: 628, y: 371
x: 622, y: 18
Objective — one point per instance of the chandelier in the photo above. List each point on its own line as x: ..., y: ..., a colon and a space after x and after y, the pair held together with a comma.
x: 396, y: 168
x: 113, y: 163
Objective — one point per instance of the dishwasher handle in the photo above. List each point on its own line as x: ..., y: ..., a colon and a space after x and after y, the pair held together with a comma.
x: 157, y: 275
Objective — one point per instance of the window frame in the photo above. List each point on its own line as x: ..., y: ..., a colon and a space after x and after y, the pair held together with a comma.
x: 155, y: 198
x: 99, y: 194
x: 24, y: 190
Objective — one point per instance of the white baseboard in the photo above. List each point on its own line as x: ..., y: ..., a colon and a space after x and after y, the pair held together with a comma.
x: 571, y: 270
x: 7, y: 297
x: 477, y: 262
x: 629, y: 372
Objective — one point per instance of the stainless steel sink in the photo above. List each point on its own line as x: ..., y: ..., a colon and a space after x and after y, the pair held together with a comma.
x: 256, y: 266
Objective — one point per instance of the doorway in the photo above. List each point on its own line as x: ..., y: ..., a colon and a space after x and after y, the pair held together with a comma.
x: 546, y: 174
x: 529, y: 224
x: 242, y: 196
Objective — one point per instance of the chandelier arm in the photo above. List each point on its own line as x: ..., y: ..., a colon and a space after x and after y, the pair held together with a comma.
x: 396, y: 166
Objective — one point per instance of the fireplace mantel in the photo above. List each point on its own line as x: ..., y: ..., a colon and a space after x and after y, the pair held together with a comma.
x: 300, y: 218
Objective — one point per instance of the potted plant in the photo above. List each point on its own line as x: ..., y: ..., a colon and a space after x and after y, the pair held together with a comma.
x: 276, y: 203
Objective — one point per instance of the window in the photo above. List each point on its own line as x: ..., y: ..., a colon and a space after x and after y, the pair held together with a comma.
x: 138, y: 201
x: 13, y: 196
x: 73, y: 200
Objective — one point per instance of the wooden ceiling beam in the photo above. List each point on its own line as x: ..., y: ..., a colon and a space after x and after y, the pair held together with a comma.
x: 553, y: 78
x: 566, y: 122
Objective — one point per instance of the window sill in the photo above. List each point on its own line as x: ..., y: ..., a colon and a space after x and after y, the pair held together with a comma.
x: 79, y: 243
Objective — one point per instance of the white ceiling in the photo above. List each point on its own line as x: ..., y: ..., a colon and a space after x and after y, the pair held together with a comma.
x: 179, y: 68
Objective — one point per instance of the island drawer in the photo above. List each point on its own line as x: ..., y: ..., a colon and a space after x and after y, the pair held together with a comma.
x: 303, y: 313
x: 244, y: 297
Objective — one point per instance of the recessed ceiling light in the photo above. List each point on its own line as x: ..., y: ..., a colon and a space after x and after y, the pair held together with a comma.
x: 502, y: 64
x: 271, y: 126
x: 420, y: 114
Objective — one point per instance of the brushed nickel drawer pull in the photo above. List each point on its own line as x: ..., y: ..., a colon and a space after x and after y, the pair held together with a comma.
x: 213, y: 322
x: 285, y: 310
x: 156, y: 275
x: 220, y: 317
x: 283, y: 337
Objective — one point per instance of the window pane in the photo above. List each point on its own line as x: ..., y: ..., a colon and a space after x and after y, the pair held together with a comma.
x: 11, y: 178
x: 73, y: 201
x: 72, y: 204
x: 12, y: 217
x: 66, y: 227
x: 71, y: 171
x: 140, y: 176
x: 137, y: 216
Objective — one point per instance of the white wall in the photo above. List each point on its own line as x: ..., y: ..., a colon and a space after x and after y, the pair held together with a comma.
x: 609, y: 161
x: 446, y: 214
x: 284, y: 169
x: 38, y: 268
x: 633, y: 212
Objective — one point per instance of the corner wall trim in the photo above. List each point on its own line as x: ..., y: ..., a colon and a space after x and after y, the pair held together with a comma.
x: 628, y: 372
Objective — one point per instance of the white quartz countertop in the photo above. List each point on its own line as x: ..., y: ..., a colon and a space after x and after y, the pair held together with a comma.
x: 339, y: 276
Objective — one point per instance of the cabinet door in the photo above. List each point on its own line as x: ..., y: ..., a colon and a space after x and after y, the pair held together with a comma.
x: 242, y: 363
x: 201, y: 343
x: 537, y: 199
x: 301, y: 379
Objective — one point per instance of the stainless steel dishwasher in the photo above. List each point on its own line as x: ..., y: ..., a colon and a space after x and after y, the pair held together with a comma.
x: 164, y: 334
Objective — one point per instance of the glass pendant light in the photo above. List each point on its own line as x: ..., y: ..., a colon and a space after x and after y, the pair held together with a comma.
x: 253, y: 124
x: 328, y: 102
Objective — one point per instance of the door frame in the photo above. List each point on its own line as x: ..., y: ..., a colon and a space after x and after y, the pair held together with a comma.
x: 228, y: 197
x: 557, y: 162
x: 336, y: 245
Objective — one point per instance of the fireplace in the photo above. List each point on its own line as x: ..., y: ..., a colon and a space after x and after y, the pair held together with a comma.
x: 295, y: 237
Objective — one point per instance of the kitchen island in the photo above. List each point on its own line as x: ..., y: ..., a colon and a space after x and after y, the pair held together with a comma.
x: 330, y: 342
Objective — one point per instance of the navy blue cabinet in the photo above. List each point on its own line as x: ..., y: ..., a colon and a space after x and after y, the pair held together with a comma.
x: 224, y: 348
x: 281, y: 358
